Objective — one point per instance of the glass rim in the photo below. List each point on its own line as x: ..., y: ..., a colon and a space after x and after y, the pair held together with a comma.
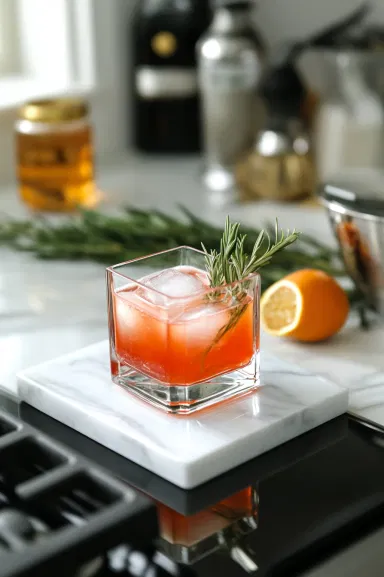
x: 113, y: 270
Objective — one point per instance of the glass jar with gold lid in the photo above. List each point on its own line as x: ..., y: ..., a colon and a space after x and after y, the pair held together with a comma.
x: 55, y: 155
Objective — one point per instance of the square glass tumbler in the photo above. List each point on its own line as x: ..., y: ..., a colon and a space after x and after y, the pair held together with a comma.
x: 175, y: 341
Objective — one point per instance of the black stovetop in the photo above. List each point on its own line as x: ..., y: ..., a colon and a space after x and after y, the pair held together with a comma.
x: 317, y: 494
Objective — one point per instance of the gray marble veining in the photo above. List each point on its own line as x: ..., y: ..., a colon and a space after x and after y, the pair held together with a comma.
x: 77, y: 390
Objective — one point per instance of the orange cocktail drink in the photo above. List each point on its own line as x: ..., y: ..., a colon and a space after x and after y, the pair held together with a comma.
x: 177, y: 342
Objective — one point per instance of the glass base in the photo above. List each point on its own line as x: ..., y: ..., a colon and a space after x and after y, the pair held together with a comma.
x: 186, y: 399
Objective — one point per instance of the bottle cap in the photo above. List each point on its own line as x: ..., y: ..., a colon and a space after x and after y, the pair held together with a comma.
x: 54, y: 110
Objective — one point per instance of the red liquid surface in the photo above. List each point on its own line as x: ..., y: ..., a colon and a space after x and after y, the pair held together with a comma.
x: 174, y: 345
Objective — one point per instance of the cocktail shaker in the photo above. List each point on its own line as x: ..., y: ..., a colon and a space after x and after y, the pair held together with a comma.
x: 229, y: 68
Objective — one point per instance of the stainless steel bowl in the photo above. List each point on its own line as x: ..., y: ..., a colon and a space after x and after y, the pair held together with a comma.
x: 355, y: 205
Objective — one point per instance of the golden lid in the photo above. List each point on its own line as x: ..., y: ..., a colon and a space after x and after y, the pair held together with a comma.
x: 54, y: 110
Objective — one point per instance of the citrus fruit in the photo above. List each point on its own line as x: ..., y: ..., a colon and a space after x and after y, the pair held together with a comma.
x: 307, y: 305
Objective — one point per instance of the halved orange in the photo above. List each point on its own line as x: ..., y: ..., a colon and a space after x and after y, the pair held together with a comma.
x: 308, y: 306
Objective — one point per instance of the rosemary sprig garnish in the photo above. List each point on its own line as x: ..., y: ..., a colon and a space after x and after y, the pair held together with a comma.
x: 231, y: 262
x: 230, y: 266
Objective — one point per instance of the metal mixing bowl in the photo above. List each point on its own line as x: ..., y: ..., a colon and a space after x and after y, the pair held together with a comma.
x: 355, y: 205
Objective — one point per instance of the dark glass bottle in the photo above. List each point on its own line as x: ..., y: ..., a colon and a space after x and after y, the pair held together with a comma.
x: 166, y: 111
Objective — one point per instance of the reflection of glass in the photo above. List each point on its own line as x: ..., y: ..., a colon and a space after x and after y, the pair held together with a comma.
x: 188, y: 539
x: 176, y: 342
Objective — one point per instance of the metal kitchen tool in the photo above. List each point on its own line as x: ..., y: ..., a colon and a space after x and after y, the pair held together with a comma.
x: 355, y: 204
x: 229, y: 66
x: 280, y: 166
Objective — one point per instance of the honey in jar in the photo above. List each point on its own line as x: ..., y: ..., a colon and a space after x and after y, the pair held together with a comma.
x: 55, y: 155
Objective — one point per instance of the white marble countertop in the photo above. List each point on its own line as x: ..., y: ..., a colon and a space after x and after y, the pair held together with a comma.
x: 51, y: 308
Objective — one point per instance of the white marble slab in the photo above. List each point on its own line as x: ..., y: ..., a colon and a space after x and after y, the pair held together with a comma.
x: 353, y: 359
x: 77, y: 390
